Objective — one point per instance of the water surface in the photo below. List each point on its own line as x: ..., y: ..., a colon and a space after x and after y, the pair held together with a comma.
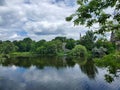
x: 53, y: 73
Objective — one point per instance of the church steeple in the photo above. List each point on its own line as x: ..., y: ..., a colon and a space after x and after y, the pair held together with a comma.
x: 112, y: 38
x: 115, y: 39
x: 80, y: 36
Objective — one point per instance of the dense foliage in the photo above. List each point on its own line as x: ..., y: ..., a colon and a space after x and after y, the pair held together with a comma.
x: 91, y: 12
x: 88, y: 40
x: 106, y: 44
x: 79, y: 50
x: 7, y: 47
x: 70, y: 44
x: 60, y: 46
x: 112, y: 62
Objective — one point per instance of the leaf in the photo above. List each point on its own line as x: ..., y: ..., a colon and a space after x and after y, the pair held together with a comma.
x: 79, y: 2
x: 76, y: 22
x: 69, y: 18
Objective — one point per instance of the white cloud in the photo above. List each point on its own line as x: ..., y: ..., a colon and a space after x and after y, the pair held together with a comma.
x: 14, y: 36
x: 32, y: 78
x: 39, y: 18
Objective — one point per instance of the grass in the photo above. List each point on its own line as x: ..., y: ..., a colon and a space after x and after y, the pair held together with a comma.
x: 27, y: 54
x: 21, y: 54
x: 62, y: 53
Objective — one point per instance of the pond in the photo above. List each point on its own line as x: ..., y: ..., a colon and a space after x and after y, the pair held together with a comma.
x: 54, y: 73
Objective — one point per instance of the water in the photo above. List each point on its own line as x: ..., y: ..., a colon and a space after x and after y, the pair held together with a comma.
x: 53, y: 73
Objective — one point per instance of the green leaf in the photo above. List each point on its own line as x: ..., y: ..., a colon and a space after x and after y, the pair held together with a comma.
x: 69, y: 18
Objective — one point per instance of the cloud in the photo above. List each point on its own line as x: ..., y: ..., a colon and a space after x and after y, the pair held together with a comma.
x: 49, y: 78
x: 2, y: 2
x: 39, y: 19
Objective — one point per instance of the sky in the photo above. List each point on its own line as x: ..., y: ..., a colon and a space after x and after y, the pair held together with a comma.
x: 37, y: 19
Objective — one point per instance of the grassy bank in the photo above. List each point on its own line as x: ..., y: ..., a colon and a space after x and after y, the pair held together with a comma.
x: 21, y: 54
x: 30, y: 54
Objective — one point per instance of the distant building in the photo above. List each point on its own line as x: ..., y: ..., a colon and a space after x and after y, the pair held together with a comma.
x: 112, y: 38
x: 80, y: 36
x: 118, y: 45
x: 115, y: 39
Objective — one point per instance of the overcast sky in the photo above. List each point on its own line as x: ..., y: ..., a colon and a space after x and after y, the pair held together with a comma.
x: 37, y: 19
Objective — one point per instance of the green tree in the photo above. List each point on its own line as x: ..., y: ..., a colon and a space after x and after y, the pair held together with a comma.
x: 27, y: 42
x: 58, y: 44
x: 91, y: 12
x: 117, y: 35
x: 79, y: 50
x: 62, y: 39
x: 0, y: 41
x: 38, y: 44
x: 70, y: 44
x: 7, y: 47
x: 24, y: 45
x: 49, y: 48
x: 105, y: 44
x: 41, y: 50
x: 88, y: 40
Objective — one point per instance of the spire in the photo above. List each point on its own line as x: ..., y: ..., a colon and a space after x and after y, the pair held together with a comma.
x: 112, y: 38
x: 80, y: 36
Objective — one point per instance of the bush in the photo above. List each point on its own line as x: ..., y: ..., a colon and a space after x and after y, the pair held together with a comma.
x: 79, y: 50
x: 109, y: 60
x: 105, y: 44
x: 99, y: 52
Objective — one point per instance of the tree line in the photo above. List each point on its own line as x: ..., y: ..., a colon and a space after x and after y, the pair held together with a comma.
x: 89, y: 43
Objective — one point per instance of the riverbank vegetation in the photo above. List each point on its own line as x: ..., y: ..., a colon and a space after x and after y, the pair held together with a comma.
x: 89, y: 13
x: 112, y: 63
x: 88, y: 45
x: 94, y: 14
x: 112, y: 59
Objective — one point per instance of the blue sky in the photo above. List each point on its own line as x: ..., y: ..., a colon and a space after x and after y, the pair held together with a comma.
x: 37, y: 19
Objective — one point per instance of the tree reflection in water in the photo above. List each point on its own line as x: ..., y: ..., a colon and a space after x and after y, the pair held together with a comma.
x: 113, y: 73
x: 86, y: 66
x: 39, y: 62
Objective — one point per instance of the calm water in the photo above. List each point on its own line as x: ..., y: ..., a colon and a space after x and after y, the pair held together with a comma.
x: 53, y: 73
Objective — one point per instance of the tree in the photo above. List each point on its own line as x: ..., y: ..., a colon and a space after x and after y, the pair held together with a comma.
x: 24, y: 45
x: 7, y: 47
x: 58, y: 44
x: 0, y: 41
x: 88, y: 40
x: 105, y: 44
x: 79, y: 50
x: 117, y: 36
x: 70, y: 44
x: 49, y: 48
x: 40, y: 50
x: 62, y: 39
x: 91, y: 12
x: 27, y: 44
x: 38, y: 44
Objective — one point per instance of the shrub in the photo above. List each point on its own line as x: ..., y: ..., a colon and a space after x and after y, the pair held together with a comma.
x: 79, y: 50
x: 99, y: 52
